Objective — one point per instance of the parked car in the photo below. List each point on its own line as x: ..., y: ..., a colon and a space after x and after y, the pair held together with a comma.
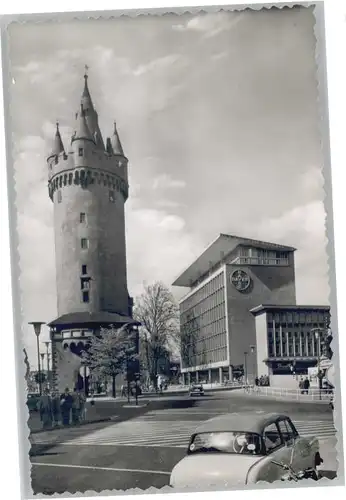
x: 238, y: 449
x: 32, y: 401
x: 196, y: 390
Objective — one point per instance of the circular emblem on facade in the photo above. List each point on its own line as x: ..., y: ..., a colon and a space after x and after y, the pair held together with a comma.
x: 240, y: 280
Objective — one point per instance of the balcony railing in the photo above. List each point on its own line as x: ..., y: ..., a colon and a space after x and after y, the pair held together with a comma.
x: 259, y: 261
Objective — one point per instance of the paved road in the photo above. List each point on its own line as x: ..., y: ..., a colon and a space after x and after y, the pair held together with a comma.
x: 140, y: 452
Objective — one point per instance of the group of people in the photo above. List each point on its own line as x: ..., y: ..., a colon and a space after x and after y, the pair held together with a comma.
x: 67, y: 408
x: 263, y: 380
x: 304, y: 385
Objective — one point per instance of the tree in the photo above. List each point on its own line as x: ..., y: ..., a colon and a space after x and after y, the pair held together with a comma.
x: 40, y: 378
x: 27, y: 365
x: 110, y: 353
x: 157, y: 312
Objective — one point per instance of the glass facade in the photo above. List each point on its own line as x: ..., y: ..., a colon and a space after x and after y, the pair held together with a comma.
x: 291, y: 335
x: 203, y: 325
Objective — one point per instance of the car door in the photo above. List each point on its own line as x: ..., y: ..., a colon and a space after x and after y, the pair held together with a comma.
x: 303, y: 449
x: 274, y: 449
x: 290, y: 437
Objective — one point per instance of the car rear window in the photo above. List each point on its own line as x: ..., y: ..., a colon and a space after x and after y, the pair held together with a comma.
x: 237, y: 443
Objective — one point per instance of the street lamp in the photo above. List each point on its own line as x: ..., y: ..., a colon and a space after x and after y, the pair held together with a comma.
x: 37, y: 329
x: 253, y: 351
x: 48, y: 366
x: 318, y: 333
x: 245, y: 367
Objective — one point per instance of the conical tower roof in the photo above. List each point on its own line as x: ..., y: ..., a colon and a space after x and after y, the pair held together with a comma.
x: 58, y: 146
x: 115, y: 141
x: 91, y: 115
x: 82, y: 129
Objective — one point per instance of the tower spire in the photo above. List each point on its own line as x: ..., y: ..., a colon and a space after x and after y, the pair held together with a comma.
x: 82, y: 129
x: 115, y: 141
x: 90, y: 113
x: 58, y: 146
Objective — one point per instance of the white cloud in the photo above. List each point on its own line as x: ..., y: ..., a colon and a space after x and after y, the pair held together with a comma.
x: 303, y: 228
x: 210, y: 24
x: 157, y: 64
x: 165, y: 181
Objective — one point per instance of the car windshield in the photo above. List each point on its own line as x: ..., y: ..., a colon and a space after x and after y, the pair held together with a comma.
x: 238, y: 443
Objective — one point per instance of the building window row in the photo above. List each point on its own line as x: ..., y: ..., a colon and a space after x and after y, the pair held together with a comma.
x: 205, y: 291
x: 282, y: 344
x: 205, y: 318
x: 301, y: 317
x: 213, y: 300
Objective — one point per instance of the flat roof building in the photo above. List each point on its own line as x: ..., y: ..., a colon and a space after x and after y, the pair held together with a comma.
x: 231, y: 277
x: 288, y: 338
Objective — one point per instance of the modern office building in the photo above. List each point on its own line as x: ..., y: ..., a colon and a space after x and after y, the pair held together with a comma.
x: 288, y: 338
x: 231, y: 277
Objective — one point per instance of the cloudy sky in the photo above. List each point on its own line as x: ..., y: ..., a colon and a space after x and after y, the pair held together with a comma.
x: 218, y: 116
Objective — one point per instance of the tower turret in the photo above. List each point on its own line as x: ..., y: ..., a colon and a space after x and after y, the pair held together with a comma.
x: 58, y: 146
x: 115, y: 141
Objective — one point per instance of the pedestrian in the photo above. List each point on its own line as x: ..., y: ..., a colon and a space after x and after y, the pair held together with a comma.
x: 256, y: 381
x: 82, y: 408
x: 123, y: 392
x: 301, y: 385
x: 65, y: 406
x: 56, y: 409
x: 45, y: 408
x: 306, y: 385
x: 75, y: 407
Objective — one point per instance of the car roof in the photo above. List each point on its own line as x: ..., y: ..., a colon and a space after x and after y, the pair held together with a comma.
x: 239, y: 422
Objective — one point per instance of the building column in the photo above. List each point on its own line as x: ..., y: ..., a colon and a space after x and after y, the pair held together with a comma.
x: 197, y: 377
x: 184, y: 378
x: 220, y: 375
x: 230, y: 374
x: 188, y: 378
x: 209, y: 376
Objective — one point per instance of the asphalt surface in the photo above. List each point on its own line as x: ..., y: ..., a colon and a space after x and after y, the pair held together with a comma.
x: 139, y: 449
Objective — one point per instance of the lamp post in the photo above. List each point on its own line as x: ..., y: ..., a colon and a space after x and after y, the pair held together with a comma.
x: 318, y: 333
x: 245, y: 367
x: 42, y: 365
x: 48, y: 364
x: 253, y: 352
x: 37, y: 329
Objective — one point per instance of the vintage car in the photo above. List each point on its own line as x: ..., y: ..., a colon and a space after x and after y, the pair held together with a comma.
x: 239, y: 449
x: 196, y: 390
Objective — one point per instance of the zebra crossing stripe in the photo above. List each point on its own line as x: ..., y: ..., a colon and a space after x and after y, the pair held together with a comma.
x: 144, y: 431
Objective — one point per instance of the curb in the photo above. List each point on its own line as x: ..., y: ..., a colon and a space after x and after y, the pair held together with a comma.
x: 82, y: 424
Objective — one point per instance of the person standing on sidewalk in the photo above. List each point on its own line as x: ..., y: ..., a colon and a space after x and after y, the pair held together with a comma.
x: 45, y: 407
x: 75, y: 407
x: 56, y: 409
x: 66, y: 405
x: 306, y: 385
x: 82, y: 409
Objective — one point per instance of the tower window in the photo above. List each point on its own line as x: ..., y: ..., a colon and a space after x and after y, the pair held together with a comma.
x: 84, y: 269
x: 59, y: 197
x: 82, y: 217
x: 80, y: 151
x: 85, y: 283
x: 85, y: 296
x: 111, y: 196
x: 84, y: 243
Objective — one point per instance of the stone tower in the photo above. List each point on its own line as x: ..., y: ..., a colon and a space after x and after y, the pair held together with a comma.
x: 88, y: 185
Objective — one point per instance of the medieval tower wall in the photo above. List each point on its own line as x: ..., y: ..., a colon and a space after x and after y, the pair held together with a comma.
x: 88, y: 185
